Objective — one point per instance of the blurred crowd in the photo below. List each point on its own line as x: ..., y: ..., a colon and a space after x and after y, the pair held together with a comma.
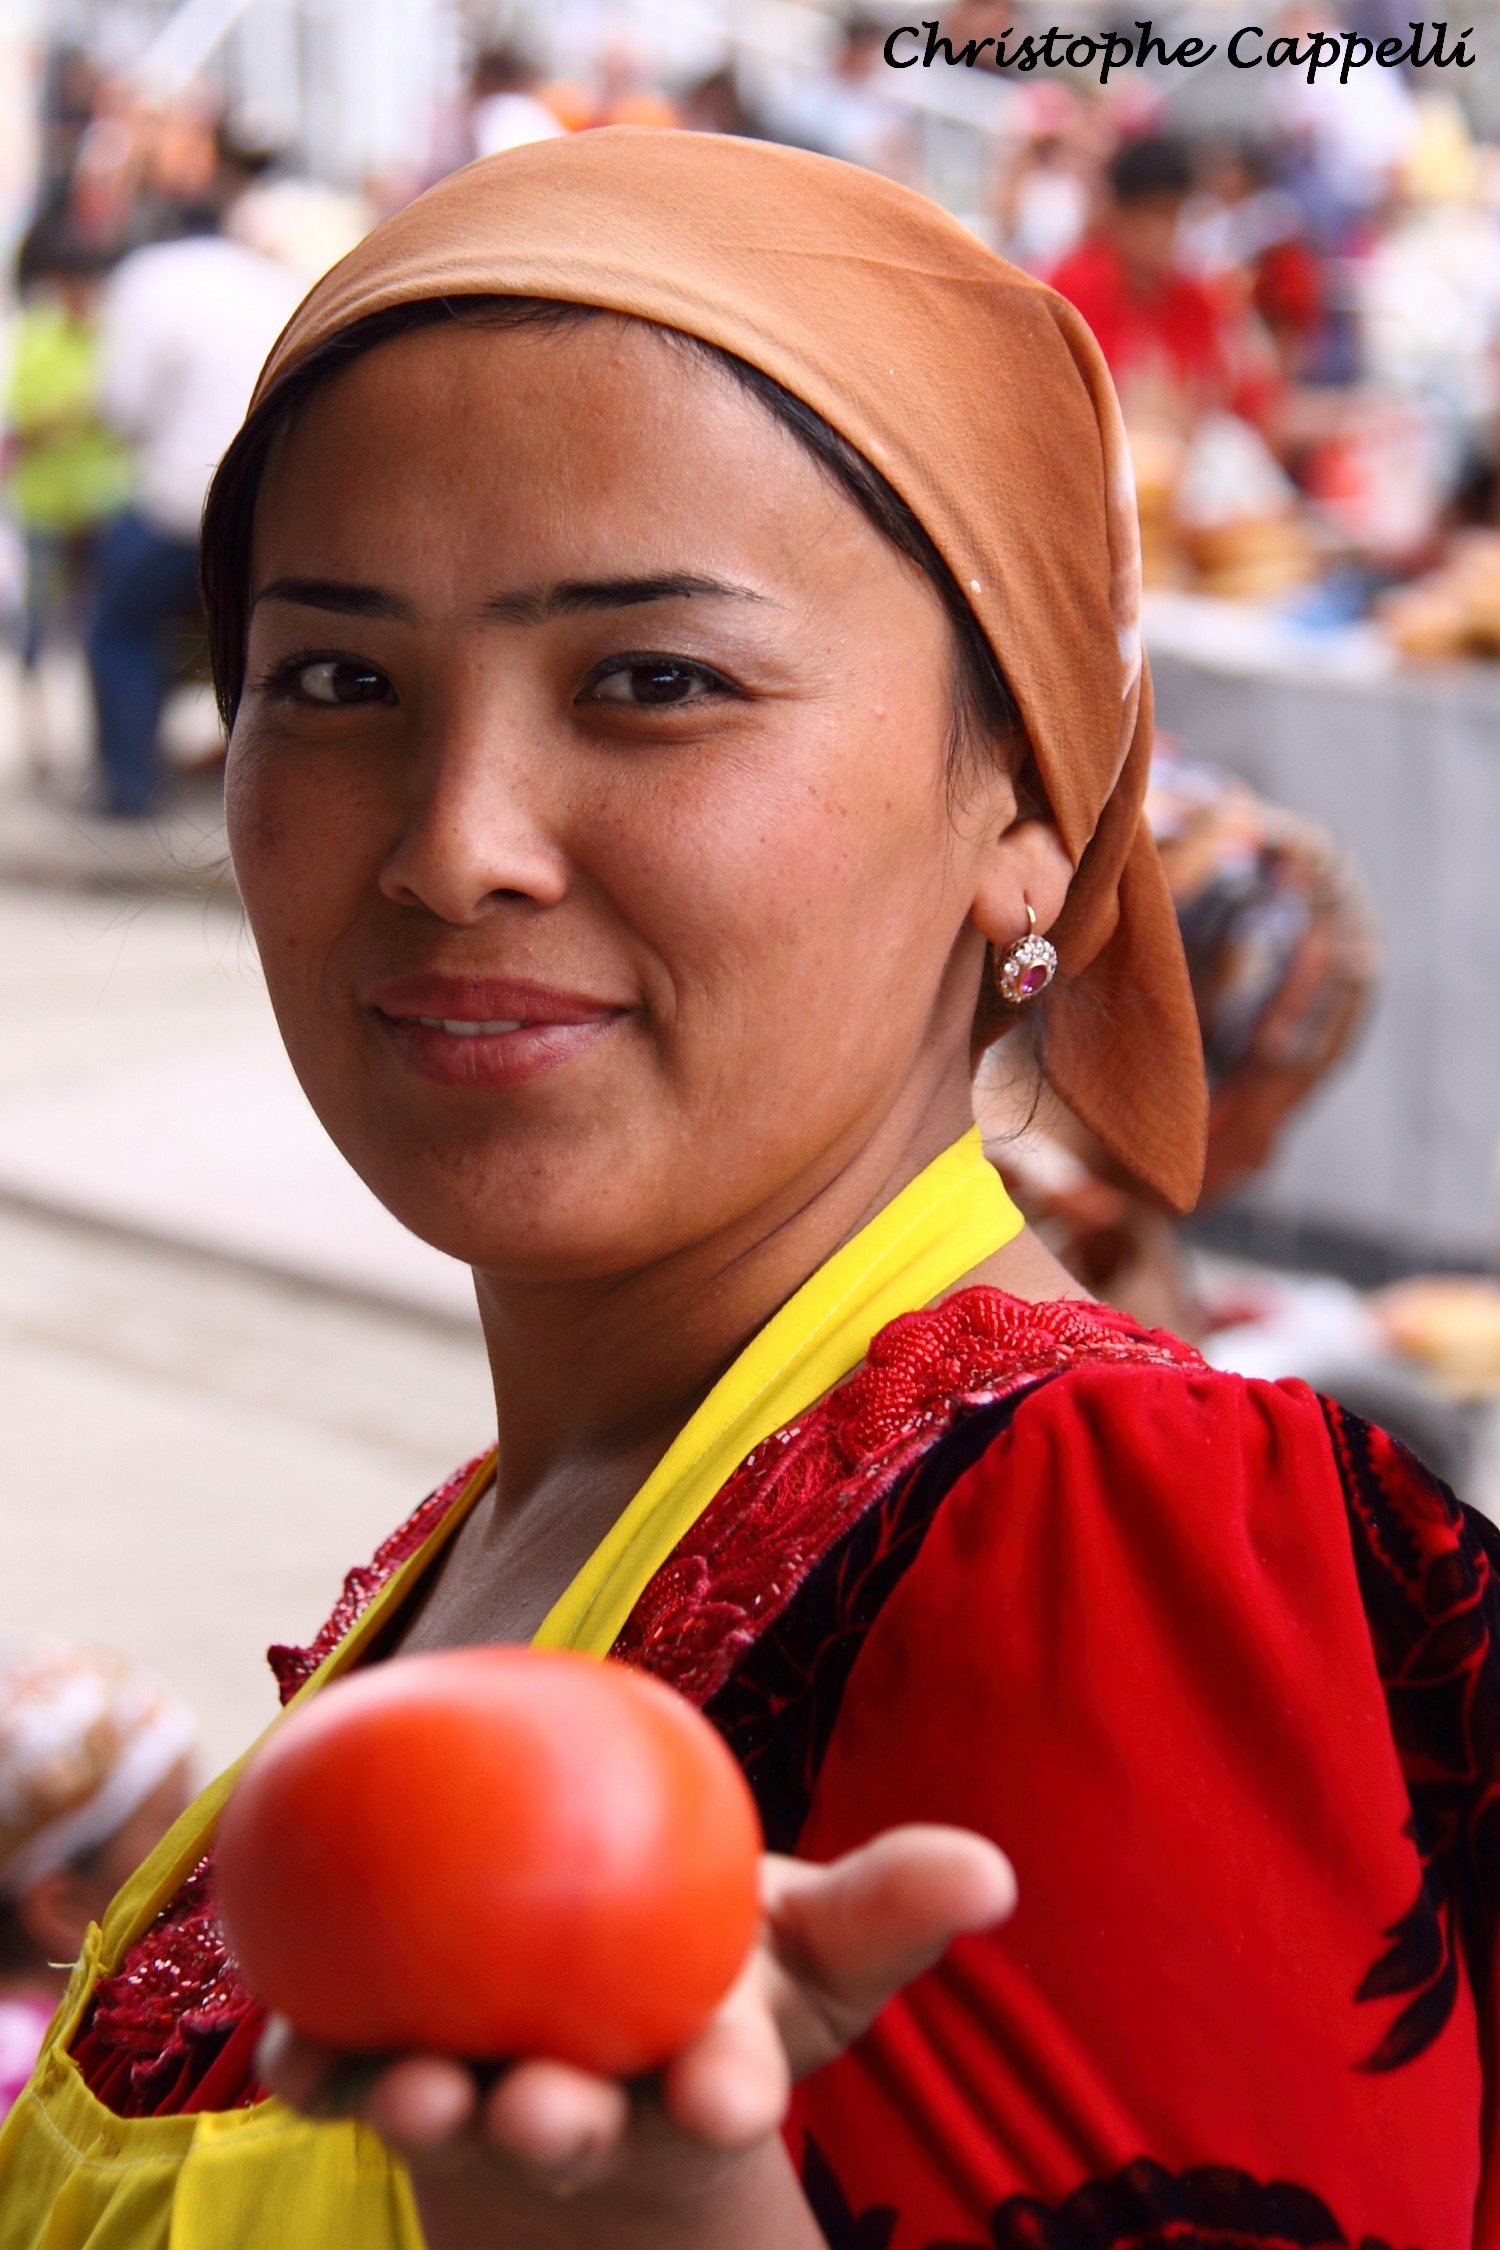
x: 1303, y: 322
x: 1302, y: 316
x: 1303, y: 326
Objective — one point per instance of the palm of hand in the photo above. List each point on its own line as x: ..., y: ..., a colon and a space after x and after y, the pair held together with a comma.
x: 547, y: 2155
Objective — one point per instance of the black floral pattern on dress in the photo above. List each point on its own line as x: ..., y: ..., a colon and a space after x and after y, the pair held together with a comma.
x: 1429, y: 1578
x: 1146, y: 2207
x: 843, y: 2228
x: 778, y: 1709
x: 1141, y: 2207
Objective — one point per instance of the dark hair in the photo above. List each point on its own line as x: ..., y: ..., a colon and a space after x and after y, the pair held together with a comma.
x: 1155, y: 164
x: 55, y: 248
x: 983, y: 702
x: 502, y: 69
x: 17, y: 1952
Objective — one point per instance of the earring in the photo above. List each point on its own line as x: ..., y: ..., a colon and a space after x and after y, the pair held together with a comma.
x: 1029, y: 966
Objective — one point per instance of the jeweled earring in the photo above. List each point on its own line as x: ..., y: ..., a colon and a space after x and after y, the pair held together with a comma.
x: 1028, y: 967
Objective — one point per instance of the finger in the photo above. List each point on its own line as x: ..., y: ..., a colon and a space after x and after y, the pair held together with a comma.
x: 731, y: 2086
x: 563, y: 2125
x: 851, y: 1934
x: 421, y: 2102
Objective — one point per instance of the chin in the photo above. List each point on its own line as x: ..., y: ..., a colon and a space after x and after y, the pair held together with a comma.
x: 537, y: 1252
x: 526, y: 1221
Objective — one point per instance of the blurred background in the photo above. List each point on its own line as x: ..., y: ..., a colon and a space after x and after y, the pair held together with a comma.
x: 224, y: 1372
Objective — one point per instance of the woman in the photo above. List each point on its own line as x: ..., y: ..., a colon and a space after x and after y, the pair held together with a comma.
x: 648, y: 766
x: 1282, y: 951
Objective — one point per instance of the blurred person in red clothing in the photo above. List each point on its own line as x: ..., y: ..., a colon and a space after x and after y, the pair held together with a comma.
x: 1177, y: 348
x: 1251, y: 237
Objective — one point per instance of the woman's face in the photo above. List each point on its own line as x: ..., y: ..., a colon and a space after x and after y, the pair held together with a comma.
x: 589, y: 799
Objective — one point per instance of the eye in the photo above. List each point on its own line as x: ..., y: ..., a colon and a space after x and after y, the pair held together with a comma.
x: 649, y: 682
x: 334, y: 680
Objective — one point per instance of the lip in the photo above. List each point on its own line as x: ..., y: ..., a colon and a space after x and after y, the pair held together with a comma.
x: 511, y: 1031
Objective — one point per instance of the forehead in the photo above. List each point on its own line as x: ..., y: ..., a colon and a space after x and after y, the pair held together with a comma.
x: 460, y: 464
x: 604, y: 422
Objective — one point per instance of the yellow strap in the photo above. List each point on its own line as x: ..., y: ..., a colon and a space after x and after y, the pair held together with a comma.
x: 947, y: 1221
x: 160, y: 1876
x: 69, y: 2170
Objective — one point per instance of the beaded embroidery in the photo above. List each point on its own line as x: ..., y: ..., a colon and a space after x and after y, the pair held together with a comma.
x: 799, y: 1492
x: 160, y: 2031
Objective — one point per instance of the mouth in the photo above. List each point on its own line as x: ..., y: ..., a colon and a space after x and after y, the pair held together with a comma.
x: 457, y: 1027
x: 470, y: 1032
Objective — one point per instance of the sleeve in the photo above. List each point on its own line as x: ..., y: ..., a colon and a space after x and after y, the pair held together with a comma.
x: 1148, y: 1648
x: 1429, y: 1578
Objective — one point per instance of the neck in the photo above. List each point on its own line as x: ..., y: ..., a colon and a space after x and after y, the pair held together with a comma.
x: 609, y: 1370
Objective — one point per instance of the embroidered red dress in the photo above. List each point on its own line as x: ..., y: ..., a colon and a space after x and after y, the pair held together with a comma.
x: 1214, y: 1661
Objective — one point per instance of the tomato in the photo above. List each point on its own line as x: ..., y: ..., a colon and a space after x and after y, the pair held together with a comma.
x: 493, y: 1852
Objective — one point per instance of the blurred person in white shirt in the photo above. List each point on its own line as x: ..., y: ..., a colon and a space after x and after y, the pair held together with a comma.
x: 184, y: 329
x: 507, y: 111
x: 845, y: 109
x: 1043, y: 196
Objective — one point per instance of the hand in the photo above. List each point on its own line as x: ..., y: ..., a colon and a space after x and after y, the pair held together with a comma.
x: 692, y: 2157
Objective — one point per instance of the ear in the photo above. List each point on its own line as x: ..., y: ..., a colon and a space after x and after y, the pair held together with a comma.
x: 1026, y: 865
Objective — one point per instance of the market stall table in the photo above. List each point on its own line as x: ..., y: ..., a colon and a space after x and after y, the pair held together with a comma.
x: 1401, y: 765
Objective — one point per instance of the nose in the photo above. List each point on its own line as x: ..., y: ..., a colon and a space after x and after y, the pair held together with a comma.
x: 474, y: 834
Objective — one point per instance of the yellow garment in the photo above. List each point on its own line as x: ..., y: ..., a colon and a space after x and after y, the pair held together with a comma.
x: 75, y: 2177
x: 951, y: 1217
x: 70, y: 471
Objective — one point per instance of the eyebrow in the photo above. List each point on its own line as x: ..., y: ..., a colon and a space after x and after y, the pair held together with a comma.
x: 529, y: 607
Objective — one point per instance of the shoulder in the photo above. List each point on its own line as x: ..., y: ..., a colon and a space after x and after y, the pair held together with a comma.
x: 1155, y: 1454
x: 1100, y: 1472
x: 1164, y: 1470
x: 1172, y: 1417
x: 156, y: 265
x: 1090, y: 269
x: 248, y: 286
x: 1143, y: 1554
x: 151, y: 293
x: 179, y: 276
x: 1202, y: 296
x: 1270, y: 1469
x: 242, y: 265
x: 1250, y: 1538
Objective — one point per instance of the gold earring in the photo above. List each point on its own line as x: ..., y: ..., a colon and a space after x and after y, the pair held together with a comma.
x: 1029, y: 966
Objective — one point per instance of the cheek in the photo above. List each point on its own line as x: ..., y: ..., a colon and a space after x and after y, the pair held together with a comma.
x: 254, y: 809
x: 304, y: 834
x: 794, y: 880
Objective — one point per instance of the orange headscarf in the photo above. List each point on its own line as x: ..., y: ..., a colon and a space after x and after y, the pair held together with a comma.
x: 981, y: 397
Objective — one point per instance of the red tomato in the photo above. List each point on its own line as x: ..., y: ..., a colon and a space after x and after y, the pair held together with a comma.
x: 493, y: 1852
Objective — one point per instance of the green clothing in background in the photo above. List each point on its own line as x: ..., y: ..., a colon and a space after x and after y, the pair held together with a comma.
x: 68, y: 470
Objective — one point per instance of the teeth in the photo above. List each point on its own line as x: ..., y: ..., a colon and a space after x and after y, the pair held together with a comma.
x: 459, y: 1029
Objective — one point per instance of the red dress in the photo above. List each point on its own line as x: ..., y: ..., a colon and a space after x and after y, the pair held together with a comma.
x: 1214, y: 1661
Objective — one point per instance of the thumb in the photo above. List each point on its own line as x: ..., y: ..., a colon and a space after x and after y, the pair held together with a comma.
x: 845, y: 1937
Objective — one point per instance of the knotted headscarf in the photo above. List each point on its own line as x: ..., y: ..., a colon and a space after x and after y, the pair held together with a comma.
x: 981, y: 397
x: 86, y: 1735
